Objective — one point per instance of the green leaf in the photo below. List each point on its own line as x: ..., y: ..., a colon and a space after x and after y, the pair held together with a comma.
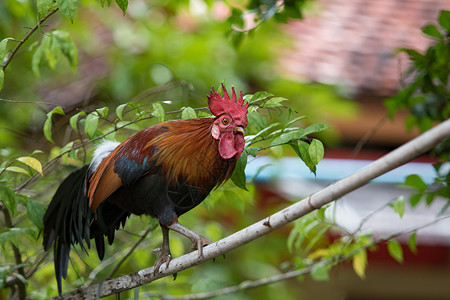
x: 287, y: 137
x: 399, y: 206
x: 90, y: 125
x: 415, y: 199
x: 13, y: 235
x: 120, y: 108
x: 238, y: 176
x: 412, y: 242
x: 294, y: 120
x: 67, y: 47
x: 273, y: 102
x: 158, y: 111
x: 66, y: 148
x: 444, y: 19
x: 188, y: 113
x: 253, y: 151
x: 395, y: 250
x: 48, y: 123
x: 429, y: 198
x: 74, y: 120
x: 258, y: 96
x: 360, y: 263
x: 32, y: 163
x: 314, y: 128
x: 416, y: 182
x: 315, y: 151
x: 103, y: 111
x: 4, y: 49
x: 302, y: 150
x: 38, y: 54
x: 16, y: 170
x: 123, y: 4
x: 2, y: 78
x: 36, y: 213
x: 68, y: 8
x: 432, y: 31
x: 43, y: 6
x: 53, y: 52
x: 320, y: 272
x: 8, y: 198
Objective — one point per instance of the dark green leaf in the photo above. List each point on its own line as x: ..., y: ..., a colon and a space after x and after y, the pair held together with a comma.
x: 90, y: 125
x: 36, y: 213
x: 432, y: 31
x: 395, y: 250
x: 416, y: 182
x: 238, y: 176
x: 256, y: 123
x: 68, y: 8
x: 429, y: 198
x: 48, y: 123
x: 412, y: 243
x: 8, y: 198
x: 302, y: 150
x: 316, y: 151
x: 253, y: 151
x: 399, y: 206
x: 123, y: 4
x: 415, y: 199
x: 444, y: 19
x: 188, y: 113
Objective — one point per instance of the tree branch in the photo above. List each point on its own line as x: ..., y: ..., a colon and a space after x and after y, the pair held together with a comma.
x: 26, y: 37
x: 392, y: 160
x: 250, y: 284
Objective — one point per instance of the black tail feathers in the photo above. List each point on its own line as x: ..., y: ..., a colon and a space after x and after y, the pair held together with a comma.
x: 69, y: 220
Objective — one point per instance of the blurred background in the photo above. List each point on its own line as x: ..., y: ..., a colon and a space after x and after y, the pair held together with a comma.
x: 336, y: 65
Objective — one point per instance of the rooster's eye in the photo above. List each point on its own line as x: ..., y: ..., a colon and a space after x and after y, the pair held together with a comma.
x: 225, y: 121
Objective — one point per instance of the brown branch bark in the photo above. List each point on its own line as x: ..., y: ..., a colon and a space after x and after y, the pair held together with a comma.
x: 26, y: 37
x: 394, y: 159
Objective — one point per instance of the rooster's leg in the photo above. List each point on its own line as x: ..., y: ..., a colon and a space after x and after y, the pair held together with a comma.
x: 165, y: 256
x: 198, y: 241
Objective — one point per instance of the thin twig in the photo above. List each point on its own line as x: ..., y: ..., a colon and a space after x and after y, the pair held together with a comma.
x: 31, y: 102
x: 368, y: 135
x: 26, y: 37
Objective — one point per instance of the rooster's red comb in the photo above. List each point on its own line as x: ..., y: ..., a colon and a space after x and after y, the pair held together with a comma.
x: 219, y: 105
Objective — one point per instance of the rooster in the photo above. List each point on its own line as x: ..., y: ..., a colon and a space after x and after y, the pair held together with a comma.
x: 163, y: 171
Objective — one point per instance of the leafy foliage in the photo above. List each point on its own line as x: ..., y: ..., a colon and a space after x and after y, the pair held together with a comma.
x: 426, y: 96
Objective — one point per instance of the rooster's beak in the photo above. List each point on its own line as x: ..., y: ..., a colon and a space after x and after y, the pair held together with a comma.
x: 240, y: 129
